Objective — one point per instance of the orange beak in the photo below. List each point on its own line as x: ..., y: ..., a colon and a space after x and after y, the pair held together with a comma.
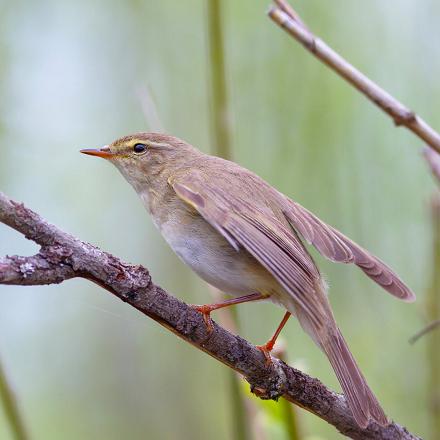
x: 101, y: 152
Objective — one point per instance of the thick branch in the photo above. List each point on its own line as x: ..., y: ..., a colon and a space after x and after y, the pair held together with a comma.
x: 62, y: 257
x: 284, y: 15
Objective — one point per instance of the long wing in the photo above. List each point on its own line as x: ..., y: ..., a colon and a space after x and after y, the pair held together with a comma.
x: 337, y: 247
x: 262, y: 235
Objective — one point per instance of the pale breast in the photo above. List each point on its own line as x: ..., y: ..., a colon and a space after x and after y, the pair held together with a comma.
x: 202, y: 248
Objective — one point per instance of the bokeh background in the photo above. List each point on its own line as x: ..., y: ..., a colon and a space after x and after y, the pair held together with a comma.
x: 77, y: 74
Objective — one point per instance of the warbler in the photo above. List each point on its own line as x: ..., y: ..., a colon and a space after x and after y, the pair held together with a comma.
x: 244, y: 237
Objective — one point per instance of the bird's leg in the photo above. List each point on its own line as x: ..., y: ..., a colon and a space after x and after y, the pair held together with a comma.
x: 268, y: 346
x: 206, y: 309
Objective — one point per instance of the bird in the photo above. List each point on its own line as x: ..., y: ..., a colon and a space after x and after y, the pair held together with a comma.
x: 247, y: 239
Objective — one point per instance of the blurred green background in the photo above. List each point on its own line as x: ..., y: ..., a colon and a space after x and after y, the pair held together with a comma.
x: 76, y: 74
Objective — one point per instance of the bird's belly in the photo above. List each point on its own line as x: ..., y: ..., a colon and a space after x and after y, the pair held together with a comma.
x: 202, y: 248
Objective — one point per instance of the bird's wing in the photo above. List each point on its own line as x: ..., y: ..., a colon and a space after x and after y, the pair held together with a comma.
x: 277, y: 248
x: 337, y: 247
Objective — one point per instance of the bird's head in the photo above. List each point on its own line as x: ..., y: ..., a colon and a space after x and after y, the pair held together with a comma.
x: 141, y: 157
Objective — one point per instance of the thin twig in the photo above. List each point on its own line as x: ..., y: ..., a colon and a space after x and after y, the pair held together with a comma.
x: 285, y: 16
x: 285, y: 7
x: 68, y: 256
x: 427, y: 329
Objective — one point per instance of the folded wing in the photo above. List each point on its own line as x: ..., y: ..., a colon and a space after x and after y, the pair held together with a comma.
x: 268, y: 240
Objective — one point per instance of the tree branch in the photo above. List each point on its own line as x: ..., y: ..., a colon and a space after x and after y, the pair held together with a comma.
x: 63, y: 256
x: 284, y: 15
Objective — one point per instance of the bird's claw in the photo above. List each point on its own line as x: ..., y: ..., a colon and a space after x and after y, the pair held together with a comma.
x: 206, y: 312
x: 265, y: 349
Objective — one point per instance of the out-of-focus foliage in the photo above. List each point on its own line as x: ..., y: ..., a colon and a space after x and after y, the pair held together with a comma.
x: 87, y: 366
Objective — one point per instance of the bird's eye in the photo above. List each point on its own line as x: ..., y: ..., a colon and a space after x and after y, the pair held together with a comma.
x: 139, y: 148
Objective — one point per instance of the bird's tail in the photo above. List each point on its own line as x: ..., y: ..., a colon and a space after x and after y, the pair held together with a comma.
x: 328, y: 337
x: 361, y: 400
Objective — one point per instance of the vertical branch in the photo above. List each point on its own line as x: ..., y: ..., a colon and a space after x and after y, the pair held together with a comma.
x: 242, y: 411
x: 10, y: 408
x: 290, y: 420
x: 433, y: 312
x: 219, y: 99
x: 240, y: 422
x: 290, y: 414
x: 222, y: 142
x: 433, y: 302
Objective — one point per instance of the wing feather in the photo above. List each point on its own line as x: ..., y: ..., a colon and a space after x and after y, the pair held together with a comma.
x: 337, y: 247
x: 264, y: 237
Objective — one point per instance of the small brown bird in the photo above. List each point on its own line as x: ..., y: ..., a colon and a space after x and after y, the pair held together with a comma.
x: 242, y: 236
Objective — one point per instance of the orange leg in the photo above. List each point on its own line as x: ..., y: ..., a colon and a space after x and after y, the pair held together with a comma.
x: 268, y: 346
x: 206, y: 309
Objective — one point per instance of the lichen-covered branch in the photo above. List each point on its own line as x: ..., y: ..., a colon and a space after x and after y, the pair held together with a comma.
x: 285, y: 16
x: 63, y: 256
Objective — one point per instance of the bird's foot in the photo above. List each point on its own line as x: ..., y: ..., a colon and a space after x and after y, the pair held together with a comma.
x: 270, y: 344
x: 205, y: 310
x: 266, y: 349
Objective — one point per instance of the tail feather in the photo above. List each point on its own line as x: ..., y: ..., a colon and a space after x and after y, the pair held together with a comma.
x: 361, y: 399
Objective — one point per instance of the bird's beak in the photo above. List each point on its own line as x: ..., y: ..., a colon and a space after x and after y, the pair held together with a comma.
x: 100, y: 152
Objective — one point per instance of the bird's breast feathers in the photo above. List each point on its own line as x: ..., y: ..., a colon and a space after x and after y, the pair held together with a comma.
x: 210, y: 255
